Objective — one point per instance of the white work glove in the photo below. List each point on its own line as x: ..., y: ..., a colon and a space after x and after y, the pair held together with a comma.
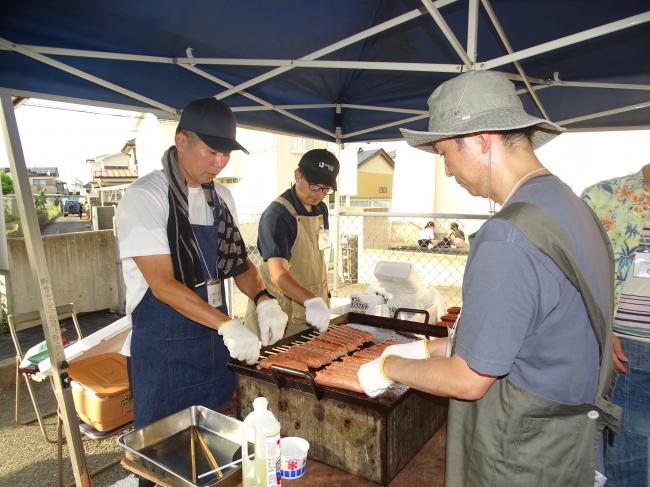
x: 372, y: 378
x: 317, y: 313
x: 242, y: 343
x: 271, y: 320
x: 416, y: 350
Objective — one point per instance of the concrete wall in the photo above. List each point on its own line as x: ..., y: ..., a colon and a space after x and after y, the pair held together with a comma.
x: 81, y: 267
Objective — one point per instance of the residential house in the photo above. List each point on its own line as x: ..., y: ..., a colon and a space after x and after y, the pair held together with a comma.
x: 112, y: 170
x: 375, y: 170
x: 44, y: 178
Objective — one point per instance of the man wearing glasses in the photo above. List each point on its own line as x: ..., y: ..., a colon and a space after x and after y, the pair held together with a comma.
x: 292, y: 235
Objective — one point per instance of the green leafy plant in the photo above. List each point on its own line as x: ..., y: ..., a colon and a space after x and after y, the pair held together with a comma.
x: 41, y: 202
x: 4, y: 326
x: 7, y: 183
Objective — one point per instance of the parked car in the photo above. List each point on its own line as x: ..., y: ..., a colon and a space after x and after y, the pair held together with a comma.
x: 70, y: 206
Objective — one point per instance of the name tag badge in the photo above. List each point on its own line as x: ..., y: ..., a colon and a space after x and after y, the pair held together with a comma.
x: 323, y: 239
x: 214, y: 292
x: 642, y: 264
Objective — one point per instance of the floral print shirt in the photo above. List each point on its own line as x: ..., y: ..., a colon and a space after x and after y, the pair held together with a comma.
x: 622, y: 204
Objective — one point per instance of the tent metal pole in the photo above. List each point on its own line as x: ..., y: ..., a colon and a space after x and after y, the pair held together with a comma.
x: 629, y: 108
x: 82, y: 74
x: 386, y: 125
x: 413, y: 14
x: 221, y: 82
x: 606, y: 86
x: 40, y: 272
x: 447, y: 32
x: 337, y: 204
x: 568, y: 40
x: 472, y: 29
x: 504, y: 39
x: 385, y: 109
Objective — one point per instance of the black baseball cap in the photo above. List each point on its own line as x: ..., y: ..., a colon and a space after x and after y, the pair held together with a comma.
x: 213, y: 122
x: 320, y: 166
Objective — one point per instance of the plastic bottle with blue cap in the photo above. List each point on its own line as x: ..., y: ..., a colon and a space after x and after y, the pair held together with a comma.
x: 262, y: 427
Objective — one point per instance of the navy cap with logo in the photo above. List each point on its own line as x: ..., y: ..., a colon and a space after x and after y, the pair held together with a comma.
x: 213, y: 122
x: 320, y: 166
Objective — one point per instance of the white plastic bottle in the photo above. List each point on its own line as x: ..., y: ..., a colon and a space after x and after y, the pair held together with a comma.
x: 264, y: 470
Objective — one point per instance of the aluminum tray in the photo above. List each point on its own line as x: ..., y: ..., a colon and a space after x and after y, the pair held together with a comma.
x: 163, y: 447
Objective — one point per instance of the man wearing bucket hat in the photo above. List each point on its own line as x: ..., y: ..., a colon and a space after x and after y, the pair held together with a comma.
x: 292, y: 237
x: 528, y: 364
x: 178, y: 239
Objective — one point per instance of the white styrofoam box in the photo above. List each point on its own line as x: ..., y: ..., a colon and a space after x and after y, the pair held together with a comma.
x: 393, y: 271
x: 108, y: 339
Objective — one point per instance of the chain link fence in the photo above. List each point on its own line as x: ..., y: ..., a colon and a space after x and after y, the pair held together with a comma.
x: 364, y: 238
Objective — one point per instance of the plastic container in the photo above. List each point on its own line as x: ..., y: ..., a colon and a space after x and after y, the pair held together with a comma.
x: 100, y: 388
x: 261, y: 427
x: 294, y: 457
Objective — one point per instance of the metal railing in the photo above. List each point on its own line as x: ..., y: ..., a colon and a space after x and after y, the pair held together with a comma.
x: 361, y: 239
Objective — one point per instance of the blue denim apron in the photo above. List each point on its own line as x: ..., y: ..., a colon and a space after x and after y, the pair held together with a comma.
x: 176, y: 362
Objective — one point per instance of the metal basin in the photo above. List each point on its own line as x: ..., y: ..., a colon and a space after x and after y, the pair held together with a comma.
x: 163, y: 448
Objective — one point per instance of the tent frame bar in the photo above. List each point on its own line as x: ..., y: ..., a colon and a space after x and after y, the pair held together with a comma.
x: 569, y: 40
x: 506, y: 43
x: 47, y: 305
x: 447, y: 32
x: 400, y: 19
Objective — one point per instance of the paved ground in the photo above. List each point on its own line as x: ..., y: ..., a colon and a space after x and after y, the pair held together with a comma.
x: 67, y: 224
x: 27, y: 459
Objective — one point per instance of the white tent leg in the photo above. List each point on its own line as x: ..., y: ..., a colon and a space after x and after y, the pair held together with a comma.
x: 40, y: 272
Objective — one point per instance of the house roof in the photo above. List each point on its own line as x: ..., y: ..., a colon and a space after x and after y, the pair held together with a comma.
x: 115, y: 173
x: 365, y: 156
x: 43, y: 172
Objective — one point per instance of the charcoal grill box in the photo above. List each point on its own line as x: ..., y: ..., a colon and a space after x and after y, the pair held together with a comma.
x: 100, y: 388
x: 373, y: 438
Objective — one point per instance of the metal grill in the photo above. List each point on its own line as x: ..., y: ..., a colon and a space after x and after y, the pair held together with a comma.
x: 364, y: 238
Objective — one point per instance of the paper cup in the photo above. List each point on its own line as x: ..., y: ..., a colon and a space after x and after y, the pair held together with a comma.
x: 293, y: 452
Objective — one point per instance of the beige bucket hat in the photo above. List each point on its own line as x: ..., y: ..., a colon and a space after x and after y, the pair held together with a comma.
x: 477, y: 101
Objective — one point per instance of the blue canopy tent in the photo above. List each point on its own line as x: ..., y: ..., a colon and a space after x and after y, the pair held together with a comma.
x: 337, y: 70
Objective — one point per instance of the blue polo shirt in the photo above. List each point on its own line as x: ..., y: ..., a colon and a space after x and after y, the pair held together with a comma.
x: 278, y: 229
x: 521, y: 316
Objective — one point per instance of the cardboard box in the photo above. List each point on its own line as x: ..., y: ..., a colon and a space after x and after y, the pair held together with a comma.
x: 100, y: 388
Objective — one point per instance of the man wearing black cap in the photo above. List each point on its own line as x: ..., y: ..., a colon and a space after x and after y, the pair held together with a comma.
x: 179, y: 239
x: 293, y: 233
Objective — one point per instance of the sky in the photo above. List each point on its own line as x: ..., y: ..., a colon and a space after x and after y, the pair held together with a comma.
x: 64, y: 135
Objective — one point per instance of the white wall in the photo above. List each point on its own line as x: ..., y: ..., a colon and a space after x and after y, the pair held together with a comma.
x: 579, y: 159
x: 584, y: 158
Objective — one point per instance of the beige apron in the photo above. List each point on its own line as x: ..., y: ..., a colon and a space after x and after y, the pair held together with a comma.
x: 306, y: 265
x: 514, y: 437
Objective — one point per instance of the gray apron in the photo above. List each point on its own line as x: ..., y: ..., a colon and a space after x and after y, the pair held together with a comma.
x: 307, y: 266
x: 514, y: 437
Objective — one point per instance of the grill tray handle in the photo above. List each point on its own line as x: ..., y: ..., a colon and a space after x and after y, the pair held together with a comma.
x: 275, y: 369
x: 411, y: 310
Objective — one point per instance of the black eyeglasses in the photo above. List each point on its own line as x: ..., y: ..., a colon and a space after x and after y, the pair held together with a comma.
x: 319, y: 187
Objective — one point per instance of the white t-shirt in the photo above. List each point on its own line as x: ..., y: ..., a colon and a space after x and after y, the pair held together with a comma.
x: 141, y: 222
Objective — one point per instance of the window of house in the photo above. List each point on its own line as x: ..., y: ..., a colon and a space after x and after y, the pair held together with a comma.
x: 383, y: 189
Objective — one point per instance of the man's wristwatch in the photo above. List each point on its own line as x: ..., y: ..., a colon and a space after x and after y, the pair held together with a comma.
x: 263, y: 292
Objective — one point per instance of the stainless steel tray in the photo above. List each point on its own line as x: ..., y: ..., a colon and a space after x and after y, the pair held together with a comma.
x: 163, y: 448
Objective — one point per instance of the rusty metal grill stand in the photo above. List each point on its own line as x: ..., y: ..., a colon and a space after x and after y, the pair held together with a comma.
x: 373, y: 438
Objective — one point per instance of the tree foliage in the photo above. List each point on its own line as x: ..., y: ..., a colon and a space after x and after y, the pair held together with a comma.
x: 7, y: 183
